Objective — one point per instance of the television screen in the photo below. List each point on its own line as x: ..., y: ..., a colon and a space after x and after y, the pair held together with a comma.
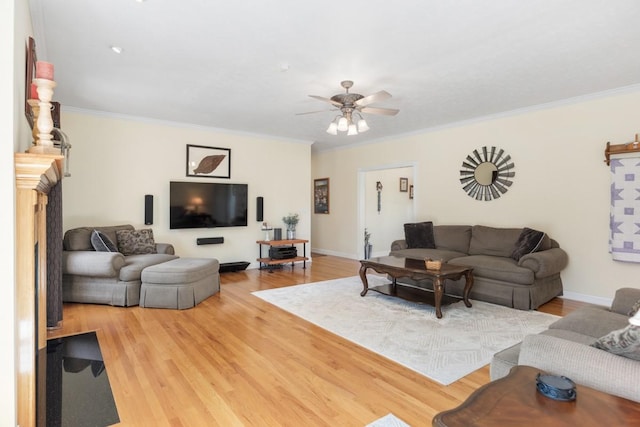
x: 207, y: 205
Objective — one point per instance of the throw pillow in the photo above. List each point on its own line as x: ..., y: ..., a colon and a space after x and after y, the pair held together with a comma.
x: 634, y: 309
x: 419, y: 235
x: 623, y: 342
x: 528, y: 242
x: 135, y: 242
x: 101, y: 242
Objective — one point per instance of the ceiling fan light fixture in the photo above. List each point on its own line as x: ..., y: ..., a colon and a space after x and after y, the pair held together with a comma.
x: 333, y: 128
x: 343, y: 124
x: 352, y: 130
x: 362, y: 125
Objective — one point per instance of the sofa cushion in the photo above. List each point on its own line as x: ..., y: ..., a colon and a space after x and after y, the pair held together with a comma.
x: 496, y: 268
x: 453, y: 237
x: 569, y: 336
x: 101, y: 242
x: 623, y: 342
x: 528, y: 242
x: 594, y: 321
x: 419, y: 235
x: 134, y: 264
x: 634, y: 308
x: 79, y: 239
x: 423, y: 253
x: 135, y: 242
x: 493, y: 241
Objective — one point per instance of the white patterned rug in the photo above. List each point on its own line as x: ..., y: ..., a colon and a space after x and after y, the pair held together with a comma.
x: 408, y: 333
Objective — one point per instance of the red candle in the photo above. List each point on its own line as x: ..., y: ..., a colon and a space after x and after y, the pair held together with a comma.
x: 33, y: 94
x: 44, y: 70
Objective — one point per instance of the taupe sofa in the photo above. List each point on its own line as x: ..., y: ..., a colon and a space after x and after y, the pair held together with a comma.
x: 104, y: 277
x: 524, y: 284
x: 564, y: 349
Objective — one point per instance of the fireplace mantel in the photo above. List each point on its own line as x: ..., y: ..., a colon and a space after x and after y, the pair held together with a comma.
x: 35, y: 175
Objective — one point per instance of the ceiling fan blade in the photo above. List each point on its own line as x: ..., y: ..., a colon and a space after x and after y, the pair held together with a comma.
x: 330, y: 101
x: 313, y: 112
x: 382, y: 111
x: 376, y: 97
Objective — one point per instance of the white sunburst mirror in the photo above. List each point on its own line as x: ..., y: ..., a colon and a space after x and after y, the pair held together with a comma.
x: 487, y: 173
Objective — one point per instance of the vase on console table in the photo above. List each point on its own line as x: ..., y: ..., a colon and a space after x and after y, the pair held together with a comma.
x: 291, y: 233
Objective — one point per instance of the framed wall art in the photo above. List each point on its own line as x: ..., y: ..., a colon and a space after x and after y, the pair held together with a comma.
x: 404, y: 185
x: 30, y: 74
x: 321, y: 196
x: 208, y: 162
x: 411, y: 191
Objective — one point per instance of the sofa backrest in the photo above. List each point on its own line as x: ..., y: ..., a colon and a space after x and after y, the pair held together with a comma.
x: 79, y: 239
x: 452, y: 237
x: 493, y: 241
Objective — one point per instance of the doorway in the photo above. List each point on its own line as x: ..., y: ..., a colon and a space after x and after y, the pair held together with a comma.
x: 384, y: 205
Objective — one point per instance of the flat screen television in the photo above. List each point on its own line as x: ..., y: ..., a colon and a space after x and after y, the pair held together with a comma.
x: 207, y: 205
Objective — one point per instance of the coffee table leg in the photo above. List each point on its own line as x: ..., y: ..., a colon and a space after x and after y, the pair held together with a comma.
x: 467, y: 288
x: 438, y: 290
x: 363, y: 277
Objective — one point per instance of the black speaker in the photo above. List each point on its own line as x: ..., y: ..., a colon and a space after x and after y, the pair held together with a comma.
x: 210, y: 240
x: 259, y: 209
x: 148, y: 209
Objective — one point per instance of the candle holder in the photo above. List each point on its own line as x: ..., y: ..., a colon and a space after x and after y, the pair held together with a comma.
x: 44, y: 123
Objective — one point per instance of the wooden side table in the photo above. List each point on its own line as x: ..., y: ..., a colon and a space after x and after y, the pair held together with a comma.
x: 515, y: 401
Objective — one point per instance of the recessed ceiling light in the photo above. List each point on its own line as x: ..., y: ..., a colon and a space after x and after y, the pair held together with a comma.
x: 116, y: 49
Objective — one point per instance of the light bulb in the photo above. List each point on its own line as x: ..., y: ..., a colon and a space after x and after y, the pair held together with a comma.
x: 333, y: 128
x: 362, y: 125
x: 343, y: 124
x: 352, y: 130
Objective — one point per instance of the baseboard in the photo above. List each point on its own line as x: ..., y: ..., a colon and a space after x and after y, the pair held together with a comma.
x: 587, y: 298
x: 334, y: 253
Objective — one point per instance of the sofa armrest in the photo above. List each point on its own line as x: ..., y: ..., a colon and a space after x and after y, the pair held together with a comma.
x: 165, y: 248
x: 397, y: 245
x: 545, y: 263
x: 92, y: 264
x: 585, y: 365
x: 624, y: 300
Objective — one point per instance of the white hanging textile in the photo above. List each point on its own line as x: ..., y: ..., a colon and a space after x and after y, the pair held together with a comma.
x: 624, y: 219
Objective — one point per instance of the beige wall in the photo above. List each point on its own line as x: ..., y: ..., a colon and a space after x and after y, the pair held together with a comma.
x: 116, y: 161
x: 561, y: 184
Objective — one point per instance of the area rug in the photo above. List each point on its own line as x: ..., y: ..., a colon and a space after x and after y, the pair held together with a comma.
x: 388, y: 420
x: 409, y: 333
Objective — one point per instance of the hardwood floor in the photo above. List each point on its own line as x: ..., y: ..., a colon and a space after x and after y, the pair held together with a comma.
x: 235, y: 360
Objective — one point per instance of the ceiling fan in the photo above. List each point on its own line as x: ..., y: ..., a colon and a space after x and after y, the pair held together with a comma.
x: 354, y: 103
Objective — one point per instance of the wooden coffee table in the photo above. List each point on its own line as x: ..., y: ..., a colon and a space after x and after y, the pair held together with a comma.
x: 398, y: 267
x: 515, y: 401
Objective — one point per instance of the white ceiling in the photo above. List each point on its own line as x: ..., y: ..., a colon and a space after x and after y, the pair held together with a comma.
x: 249, y: 65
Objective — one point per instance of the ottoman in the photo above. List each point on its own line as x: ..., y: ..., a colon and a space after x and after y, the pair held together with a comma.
x: 179, y: 283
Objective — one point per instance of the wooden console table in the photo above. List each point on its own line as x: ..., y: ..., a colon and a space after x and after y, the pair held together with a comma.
x: 267, y: 262
x: 515, y: 401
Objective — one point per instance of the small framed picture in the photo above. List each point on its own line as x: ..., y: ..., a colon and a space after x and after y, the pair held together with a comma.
x: 208, y: 162
x: 404, y: 185
x: 411, y: 191
x: 321, y: 196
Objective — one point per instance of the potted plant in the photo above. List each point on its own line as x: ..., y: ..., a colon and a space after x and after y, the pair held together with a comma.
x: 291, y: 221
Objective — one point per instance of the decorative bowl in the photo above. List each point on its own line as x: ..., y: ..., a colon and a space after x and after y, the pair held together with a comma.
x: 556, y: 387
